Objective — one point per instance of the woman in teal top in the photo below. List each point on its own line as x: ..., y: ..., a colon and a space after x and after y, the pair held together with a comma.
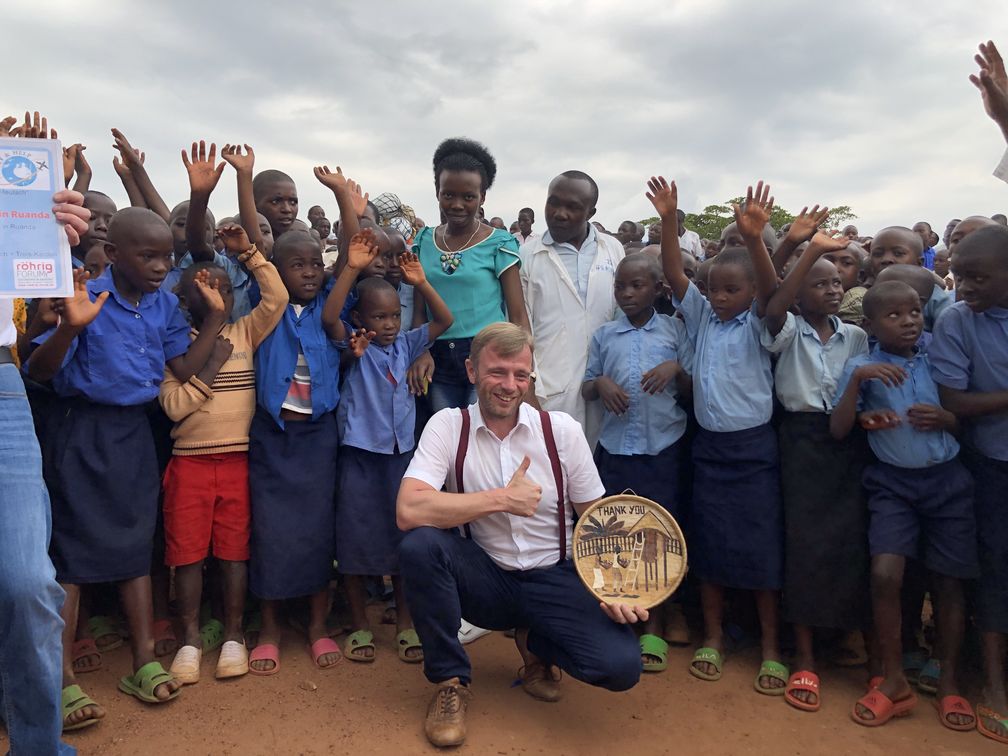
x: 472, y: 266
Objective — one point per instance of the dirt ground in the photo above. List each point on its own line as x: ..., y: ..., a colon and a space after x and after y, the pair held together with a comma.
x: 379, y: 708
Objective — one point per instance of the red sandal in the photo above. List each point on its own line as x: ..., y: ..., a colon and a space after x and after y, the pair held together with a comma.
x: 807, y: 681
x: 882, y: 708
x: 956, y: 705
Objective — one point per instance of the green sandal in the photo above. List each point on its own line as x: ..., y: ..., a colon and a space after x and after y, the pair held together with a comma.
x: 211, y: 635
x: 147, y: 678
x: 653, y: 646
x: 100, y: 627
x: 75, y: 699
x: 710, y: 656
x: 408, y: 640
x: 356, y: 642
x: 775, y: 670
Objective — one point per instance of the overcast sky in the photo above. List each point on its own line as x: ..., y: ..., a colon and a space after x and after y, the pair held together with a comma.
x: 864, y: 103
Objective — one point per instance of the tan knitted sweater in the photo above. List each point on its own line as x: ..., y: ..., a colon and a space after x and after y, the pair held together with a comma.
x: 215, y: 419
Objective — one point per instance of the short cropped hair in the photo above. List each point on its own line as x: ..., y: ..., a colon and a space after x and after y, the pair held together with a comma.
x: 506, y: 339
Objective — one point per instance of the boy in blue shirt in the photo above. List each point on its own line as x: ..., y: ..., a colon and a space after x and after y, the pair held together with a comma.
x: 918, y: 491
x: 106, y: 359
x: 969, y: 361
x: 638, y: 364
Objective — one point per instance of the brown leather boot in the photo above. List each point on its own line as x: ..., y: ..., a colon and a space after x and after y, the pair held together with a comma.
x: 445, y: 724
x: 541, y: 681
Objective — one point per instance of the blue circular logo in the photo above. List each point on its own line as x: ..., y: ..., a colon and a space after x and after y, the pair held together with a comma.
x: 18, y: 170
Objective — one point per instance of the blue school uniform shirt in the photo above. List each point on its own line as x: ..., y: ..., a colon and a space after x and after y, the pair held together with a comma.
x: 242, y: 283
x: 939, y: 301
x: 377, y: 412
x: 120, y: 357
x: 276, y: 358
x: 902, y: 446
x: 732, y: 380
x: 928, y: 256
x: 624, y: 353
x: 970, y: 353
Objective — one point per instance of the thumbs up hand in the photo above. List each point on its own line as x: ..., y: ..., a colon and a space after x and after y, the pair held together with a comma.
x: 521, y: 493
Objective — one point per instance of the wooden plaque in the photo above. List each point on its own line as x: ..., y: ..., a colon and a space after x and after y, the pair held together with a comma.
x: 629, y: 550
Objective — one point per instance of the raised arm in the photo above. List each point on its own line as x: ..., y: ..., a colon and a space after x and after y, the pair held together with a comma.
x: 204, y: 173
x: 132, y: 158
x: 751, y: 218
x: 787, y: 292
x: 992, y: 81
x: 274, y: 297
x: 362, y: 250
x: 247, y: 213
x: 665, y: 198
x: 81, y: 168
x: 129, y: 183
x: 802, y: 229
x: 340, y: 186
x: 413, y: 274
x: 189, y: 364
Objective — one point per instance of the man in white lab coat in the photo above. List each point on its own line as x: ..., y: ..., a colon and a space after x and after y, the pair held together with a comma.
x: 567, y: 279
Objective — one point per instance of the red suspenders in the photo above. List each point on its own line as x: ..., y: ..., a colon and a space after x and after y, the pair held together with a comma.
x: 554, y: 457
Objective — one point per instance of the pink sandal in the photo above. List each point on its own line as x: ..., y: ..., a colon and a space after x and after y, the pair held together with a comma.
x: 324, y: 646
x: 265, y: 652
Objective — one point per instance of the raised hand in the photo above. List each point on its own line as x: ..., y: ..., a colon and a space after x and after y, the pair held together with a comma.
x: 79, y: 311
x: 5, y: 125
x: 208, y: 288
x: 221, y: 353
x: 613, y: 397
x: 337, y: 182
x: 823, y: 244
x: 891, y: 375
x: 412, y: 270
x: 81, y: 165
x: 131, y: 157
x: 69, y: 162
x: 522, y: 494
x: 235, y: 239
x: 881, y: 419
x: 657, y: 378
x: 664, y: 196
x: 232, y: 154
x: 360, y: 199
x: 204, y: 172
x: 804, y: 226
x: 120, y: 165
x: 753, y: 216
x: 362, y: 250
x: 360, y: 341
x: 37, y: 128
x: 992, y: 81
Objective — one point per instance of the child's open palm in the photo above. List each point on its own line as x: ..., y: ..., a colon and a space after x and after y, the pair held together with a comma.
x: 204, y: 172
x: 753, y: 216
x: 804, y: 226
x: 664, y: 196
x: 360, y: 341
x: 232, y: 155
x: 208, y: 288
x: 823, y: 244
x: 337, y: 182
x: 362, y: 250
x: 131, y: 157
x: 235, y: 239
x: 412, y: 270
x: 358, y: 196
x: 78, y: 310
x: 120, y: 166
x: 992, y: 81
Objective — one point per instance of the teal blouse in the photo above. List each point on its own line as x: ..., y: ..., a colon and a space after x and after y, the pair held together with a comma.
x: 472, y: 291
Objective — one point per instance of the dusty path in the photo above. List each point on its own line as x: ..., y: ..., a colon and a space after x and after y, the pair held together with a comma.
x: 379, y: 708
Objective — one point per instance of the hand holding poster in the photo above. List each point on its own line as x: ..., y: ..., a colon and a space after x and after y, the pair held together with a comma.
x: 34, y: 251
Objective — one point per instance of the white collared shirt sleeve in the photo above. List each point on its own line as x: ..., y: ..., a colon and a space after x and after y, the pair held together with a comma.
x: 435, y: 452
x: 582, y: 479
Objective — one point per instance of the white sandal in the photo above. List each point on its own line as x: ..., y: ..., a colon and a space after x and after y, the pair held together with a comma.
x: 233, y: 661
x: 186, y: 664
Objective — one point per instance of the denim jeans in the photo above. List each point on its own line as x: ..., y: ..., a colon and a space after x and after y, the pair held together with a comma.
x: 450, y: 386
x: 31, y: 668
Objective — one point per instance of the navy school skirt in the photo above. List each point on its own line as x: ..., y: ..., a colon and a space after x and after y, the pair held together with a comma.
x: 102, y: 473
x: 292, y: 483
x: 736, y: 525
x: 367, y: 537
x: 653, y: 476
x: 825, y: 523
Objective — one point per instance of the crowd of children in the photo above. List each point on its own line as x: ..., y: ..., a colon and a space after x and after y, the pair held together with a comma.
x: 826, y: 414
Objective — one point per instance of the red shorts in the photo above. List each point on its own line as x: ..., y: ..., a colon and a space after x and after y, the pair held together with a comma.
x: 206, y: 500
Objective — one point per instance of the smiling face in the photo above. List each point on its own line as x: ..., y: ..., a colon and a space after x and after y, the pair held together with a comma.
x: 299, y: 263
x: 501, y: 381
x: 278, y: 202
x: 460, y: 196
x: 822, y: 290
